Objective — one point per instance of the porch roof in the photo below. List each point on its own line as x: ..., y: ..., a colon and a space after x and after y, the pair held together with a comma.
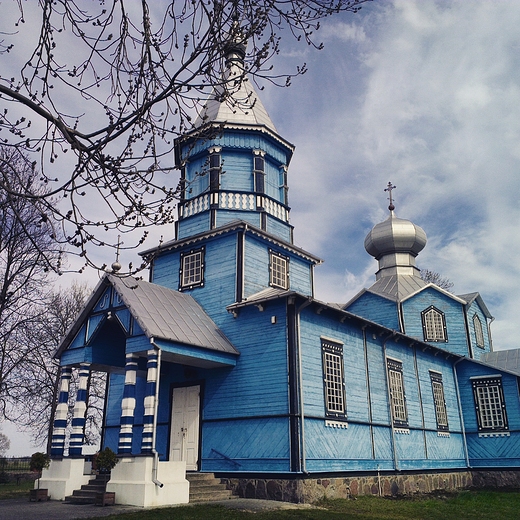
x: 161, y: 313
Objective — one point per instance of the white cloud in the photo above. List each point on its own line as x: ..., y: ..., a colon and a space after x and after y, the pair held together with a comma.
x: 428, y: 98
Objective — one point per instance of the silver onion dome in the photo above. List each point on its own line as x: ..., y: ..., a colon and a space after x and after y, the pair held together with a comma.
x: 395, y: 235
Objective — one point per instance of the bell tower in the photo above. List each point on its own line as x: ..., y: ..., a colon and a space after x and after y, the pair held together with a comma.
x: 233, y: 163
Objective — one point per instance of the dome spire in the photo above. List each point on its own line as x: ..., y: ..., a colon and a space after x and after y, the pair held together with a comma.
x: 389, y: 189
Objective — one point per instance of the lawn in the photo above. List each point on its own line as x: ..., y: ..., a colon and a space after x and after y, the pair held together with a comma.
x: 465, y: 505
x: 15, y: 490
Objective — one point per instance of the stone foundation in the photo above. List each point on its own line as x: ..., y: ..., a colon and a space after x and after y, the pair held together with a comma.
x: 309, y: 490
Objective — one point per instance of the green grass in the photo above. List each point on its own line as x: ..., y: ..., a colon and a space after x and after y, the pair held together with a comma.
x: 15, y: 490
x: 467, y: 505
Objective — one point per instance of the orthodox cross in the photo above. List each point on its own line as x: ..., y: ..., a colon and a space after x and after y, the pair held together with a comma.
x: 389, y: 189
x: 116, y: 266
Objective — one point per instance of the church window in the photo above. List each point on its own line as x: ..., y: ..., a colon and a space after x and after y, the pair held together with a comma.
x: 333, y: 378
x: 397, y: 395
x: 259, y: 172
x: 490, y: 405
x: 215, y: 169
x: 479, y: 333
x: 439, y: 401
x: 434, y: 325
x: 279, y: 271
x: 192, y: 269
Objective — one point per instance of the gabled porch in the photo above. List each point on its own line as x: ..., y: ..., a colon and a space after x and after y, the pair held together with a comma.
x: 129, y: 329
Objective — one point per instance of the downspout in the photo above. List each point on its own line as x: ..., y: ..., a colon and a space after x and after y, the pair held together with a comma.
x: 394, y: 447
x: 155, y: 464
x: 461, y: 418
x: 302, y: 415
x: 489, y: 333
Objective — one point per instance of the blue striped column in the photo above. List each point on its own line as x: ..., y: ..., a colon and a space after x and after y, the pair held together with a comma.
x: 149, y: 402
x: 60, y: 416
x: 80, y: 409
x: 128, y: 406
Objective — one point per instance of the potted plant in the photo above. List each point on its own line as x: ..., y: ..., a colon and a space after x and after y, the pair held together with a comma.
x: 105, y: 461
x: 39, y: 461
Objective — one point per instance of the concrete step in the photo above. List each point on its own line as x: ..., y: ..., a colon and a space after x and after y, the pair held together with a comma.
x: 205, y: 487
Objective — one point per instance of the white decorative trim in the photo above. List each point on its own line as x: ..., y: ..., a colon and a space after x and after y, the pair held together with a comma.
x: 403, y: 431
x: 336, y: 424
x: 443, y: 434
x: 494, y: 434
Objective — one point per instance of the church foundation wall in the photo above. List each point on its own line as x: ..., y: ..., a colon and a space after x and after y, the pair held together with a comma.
x: 310, y: 490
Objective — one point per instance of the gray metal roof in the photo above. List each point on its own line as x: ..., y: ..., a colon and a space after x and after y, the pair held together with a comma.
x: 170, y: 315
x: 234, y: 102
x: 503, y: 359
x: 160, y: 312
x: 397, y: 287
x: 471, y: 297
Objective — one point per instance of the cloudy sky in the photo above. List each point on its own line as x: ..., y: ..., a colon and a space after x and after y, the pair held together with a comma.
x: 426, y: 95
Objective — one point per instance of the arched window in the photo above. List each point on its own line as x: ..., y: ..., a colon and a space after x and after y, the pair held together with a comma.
x: 479, y: 333
x: 434, y: 325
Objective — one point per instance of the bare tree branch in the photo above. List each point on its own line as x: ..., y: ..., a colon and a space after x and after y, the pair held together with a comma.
x: 115, y: 83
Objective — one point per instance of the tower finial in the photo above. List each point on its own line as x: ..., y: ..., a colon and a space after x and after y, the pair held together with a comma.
x: 389, y: 189
x: 116, y: 266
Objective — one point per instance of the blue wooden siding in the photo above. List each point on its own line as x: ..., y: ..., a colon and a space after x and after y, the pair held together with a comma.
x: 453, y: 314
x: 256, y: 268
x: 237, y: 140
x: 259, y: 445
x: 474, y: 308
x: 237, y: 171
x: 224, y: 216
x: 376, y: 308
x: 490, y: 451
x: 245, y: 409
x: 367, y: 442
x: 197, y: 176
x: 116, y: 384
x: 193, y: 225
x: 278, y: 228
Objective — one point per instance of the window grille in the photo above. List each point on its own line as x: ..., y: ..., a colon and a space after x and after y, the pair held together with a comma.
x: 439, y: 401
x: 479, y: 333
x: 192, y: 269
x: 397, y: 394
x: 434, y: 325
x: 333, y: 379
x: 490, y: 404
x: 279, y: 271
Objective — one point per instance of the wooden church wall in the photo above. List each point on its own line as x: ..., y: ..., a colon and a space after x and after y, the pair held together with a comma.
x: 256, y: 268
x: 194, y: 225
x: 245, y: 413
x: 367, y: 443
x: 453, y: 313
x: 377, y: 309
x: 493, y: 451
x: 278, y: 228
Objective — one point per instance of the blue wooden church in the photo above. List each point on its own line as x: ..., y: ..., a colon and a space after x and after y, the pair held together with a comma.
x: 224, y: 362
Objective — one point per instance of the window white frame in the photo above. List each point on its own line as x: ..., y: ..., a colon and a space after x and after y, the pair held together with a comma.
x: 479, y: 332
x: 278, y: 270
x: 397, y: 393
x: 333, y: 378
x: 439, y: 400
x: 191, y: 273
x: 434, y: 325
x: 490, y: 405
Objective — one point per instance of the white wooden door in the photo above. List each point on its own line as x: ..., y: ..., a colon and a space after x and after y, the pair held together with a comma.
x: 184, y: 442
